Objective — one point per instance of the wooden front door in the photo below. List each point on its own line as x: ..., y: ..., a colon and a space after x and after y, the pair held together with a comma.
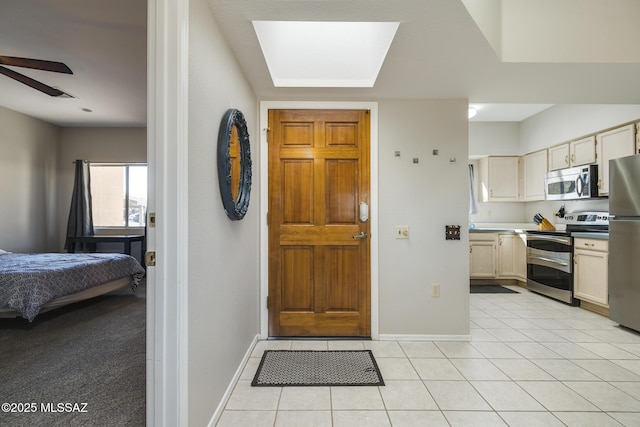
x: 319, y: 261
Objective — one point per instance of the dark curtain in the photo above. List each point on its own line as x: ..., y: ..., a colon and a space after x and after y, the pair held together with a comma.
x: 80, y: 216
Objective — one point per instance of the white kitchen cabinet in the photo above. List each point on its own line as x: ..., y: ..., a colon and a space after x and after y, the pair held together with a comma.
x: 559, y: 157
x: 619, y: 142
x: 506, y: 255
x: 521, y: 256
x: 590, y: 262
x: 575, y: 153
x: 499, y: 179
x: 512, y: 256
x: 482, y: 255
x: 582, y: 151
x: 534, y: 167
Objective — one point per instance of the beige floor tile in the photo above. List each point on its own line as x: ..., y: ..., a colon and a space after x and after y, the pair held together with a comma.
x: 629, y: 365
x: 309, y: 345
x: 356, y: 398
x: 456, y: 396
x: 421, y: 349
x: 533, y: 350
x: 458, y: 350
x: 406, y: 395
x: 555, y: 396
x: 305, y: 398
x: 569, y: 350
x: 587, y: 419
x: 361, y: 419
x: 506, y: 396
x: 247, y: 418
x: 436, y: 369
x: 628, y: 419
x: 565, y: 370
x: 478, y: 369
x: 530, y: 419
x: 508, y: 335
x: 473, y: 419
x: 521, y: 370
x: 496, y: 350
x: 246, y: 397
x: 417, y: 418
x: 345, y: 345
x: 608, y: 351
x: 395, y: 368
x: 384, y: 348
x: 261, y: 346
x: 303, y: 418
x: 250, y: 369
x: 605, y: 396
x: 607, y: 370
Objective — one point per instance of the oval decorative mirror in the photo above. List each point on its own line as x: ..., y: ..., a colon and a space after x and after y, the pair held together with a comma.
x: 234, y: 164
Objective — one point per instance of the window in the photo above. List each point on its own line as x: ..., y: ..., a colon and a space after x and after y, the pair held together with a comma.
x: 119, y: 194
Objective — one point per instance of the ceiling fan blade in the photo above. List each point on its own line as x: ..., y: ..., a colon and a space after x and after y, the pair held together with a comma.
x: 36, y: 64
x: 31, y: 82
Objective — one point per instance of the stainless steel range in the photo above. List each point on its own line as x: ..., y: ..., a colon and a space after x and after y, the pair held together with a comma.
x: 550, y: 254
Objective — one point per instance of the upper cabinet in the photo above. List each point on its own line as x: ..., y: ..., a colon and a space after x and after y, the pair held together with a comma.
x: 534, y: 170
x: 620, y: 142
x: 499, y: 179
x: 582, y: 151
x: 575, y: 153
x: 559, y: 157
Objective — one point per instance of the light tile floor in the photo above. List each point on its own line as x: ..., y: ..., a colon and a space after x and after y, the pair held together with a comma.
x: 532, y: 361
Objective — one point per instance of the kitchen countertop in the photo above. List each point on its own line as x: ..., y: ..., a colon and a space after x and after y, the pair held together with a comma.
x: 501, y: 227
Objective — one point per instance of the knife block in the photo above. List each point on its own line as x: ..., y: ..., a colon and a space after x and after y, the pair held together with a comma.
x: 545, y: 225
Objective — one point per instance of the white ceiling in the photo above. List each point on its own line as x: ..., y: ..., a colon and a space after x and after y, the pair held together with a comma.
x: 438, y: 52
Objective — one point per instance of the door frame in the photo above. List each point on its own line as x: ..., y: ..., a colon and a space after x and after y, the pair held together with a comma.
x: 265, y: 106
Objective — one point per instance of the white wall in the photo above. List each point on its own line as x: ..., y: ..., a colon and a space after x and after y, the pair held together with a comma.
x: 223, y: 254
x: 99, y: 144
x: 426, y: 197
x: 563, y: 123
x: 28, y: 165
x: 494, y: 138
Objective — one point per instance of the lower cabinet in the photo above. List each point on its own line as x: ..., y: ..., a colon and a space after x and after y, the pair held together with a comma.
x: 498, y: 256
x: 482, y: 255
x: 590, y: 270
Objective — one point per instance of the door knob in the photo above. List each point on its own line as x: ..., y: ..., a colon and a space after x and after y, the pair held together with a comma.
x: 362, y: 235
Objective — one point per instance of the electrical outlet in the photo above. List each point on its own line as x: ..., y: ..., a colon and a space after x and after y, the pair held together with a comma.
x: 435, y: 290
x: 402, y: 231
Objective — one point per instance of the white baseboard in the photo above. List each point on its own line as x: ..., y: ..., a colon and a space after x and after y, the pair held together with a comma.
x: 227, y: 394
x: 412, y: 337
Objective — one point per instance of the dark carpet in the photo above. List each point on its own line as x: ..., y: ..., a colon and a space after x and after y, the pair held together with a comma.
x: 92, y: 353
x: 280, y: 368
x: 491, y: 289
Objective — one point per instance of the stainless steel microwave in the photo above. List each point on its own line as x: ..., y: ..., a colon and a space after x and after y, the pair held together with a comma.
x: 573, y: 183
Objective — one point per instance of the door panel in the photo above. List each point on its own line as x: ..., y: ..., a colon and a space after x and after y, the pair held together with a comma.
x: 319, y: 280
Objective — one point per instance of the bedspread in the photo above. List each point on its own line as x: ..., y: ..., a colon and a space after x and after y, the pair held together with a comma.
x: 28, y: 281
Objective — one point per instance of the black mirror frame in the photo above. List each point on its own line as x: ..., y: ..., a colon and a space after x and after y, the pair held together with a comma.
x: 235, y: 209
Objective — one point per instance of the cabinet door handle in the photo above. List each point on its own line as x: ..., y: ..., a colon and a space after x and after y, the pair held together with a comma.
x: 573, y: 157
x: 566, y: 159
x: 590, y: 244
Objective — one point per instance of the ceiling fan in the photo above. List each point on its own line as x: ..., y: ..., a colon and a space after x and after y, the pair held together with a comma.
x: 36, y: 64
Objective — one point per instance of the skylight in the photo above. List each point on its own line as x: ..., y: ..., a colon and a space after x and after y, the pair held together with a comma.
x: 324, y: 54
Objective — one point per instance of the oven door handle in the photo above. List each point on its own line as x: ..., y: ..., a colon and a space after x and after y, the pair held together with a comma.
x: 563, y: 240
x: 550, y: 260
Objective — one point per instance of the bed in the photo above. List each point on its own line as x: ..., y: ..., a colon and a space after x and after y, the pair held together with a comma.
x: 34, y: 283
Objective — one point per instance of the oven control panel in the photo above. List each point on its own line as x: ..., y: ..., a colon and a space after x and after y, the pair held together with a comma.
x: 587, y: 218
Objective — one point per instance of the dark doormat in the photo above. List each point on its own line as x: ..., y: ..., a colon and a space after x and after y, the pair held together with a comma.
x: 281, y: 368
x: 491, y: 289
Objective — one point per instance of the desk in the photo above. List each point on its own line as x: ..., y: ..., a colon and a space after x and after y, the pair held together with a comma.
x: 125, y: 239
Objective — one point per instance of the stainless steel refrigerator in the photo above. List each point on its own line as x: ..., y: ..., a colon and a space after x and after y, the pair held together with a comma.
x: 624, y: 241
